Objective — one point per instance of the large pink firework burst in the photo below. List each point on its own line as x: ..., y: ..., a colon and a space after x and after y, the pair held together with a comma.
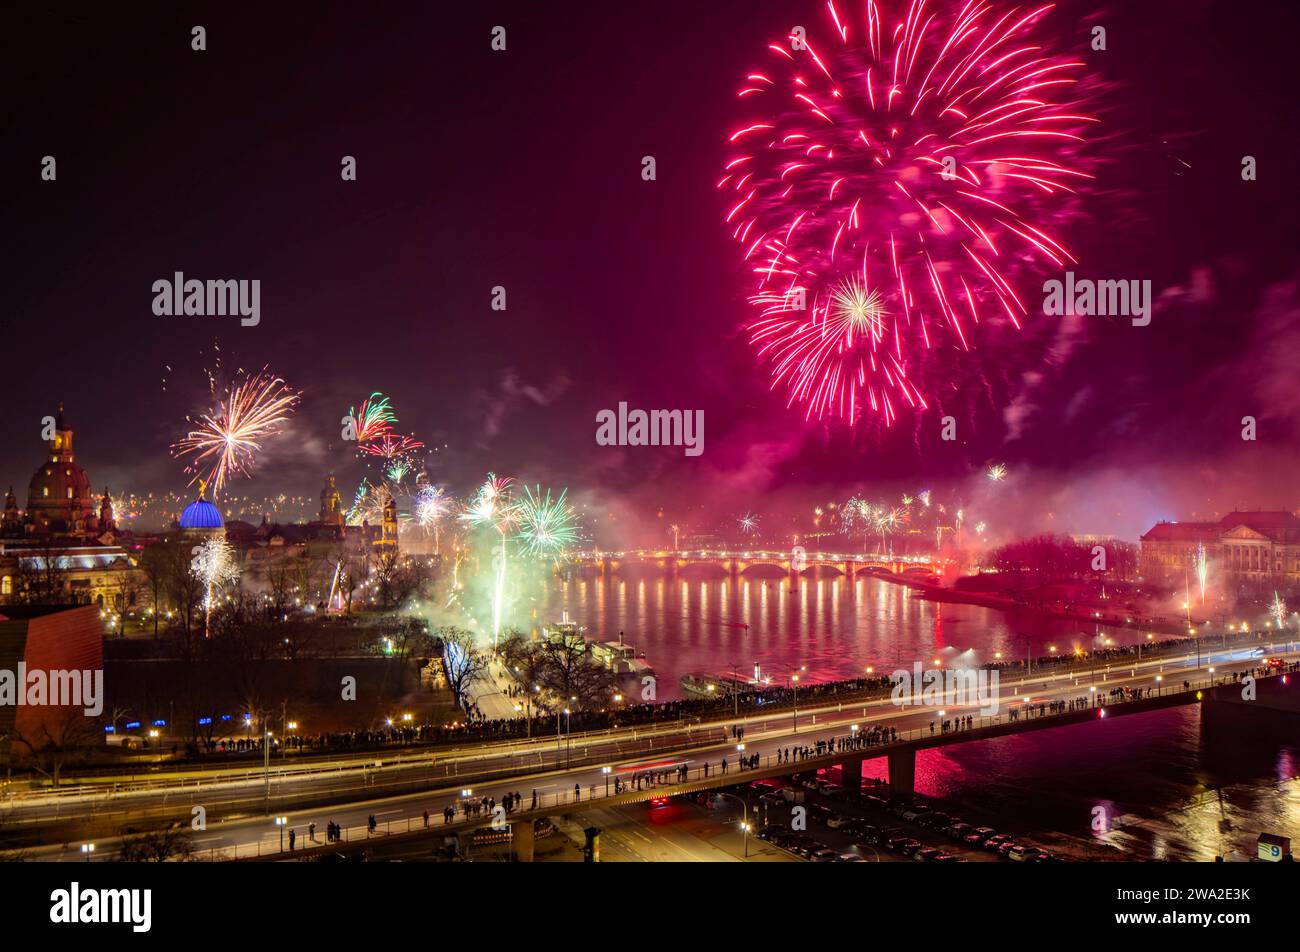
x: 226, y: 440
x: 895, y: 177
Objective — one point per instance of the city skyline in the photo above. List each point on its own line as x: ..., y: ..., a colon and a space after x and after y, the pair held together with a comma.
x: 1076, y: 406
x: 779, y: 431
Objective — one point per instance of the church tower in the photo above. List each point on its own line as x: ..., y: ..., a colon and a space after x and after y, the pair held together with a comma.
x: 13, y: 517
x: 388, y: 532
x: 59, y: 497
x: 331, y: 505
x: 106, y: 523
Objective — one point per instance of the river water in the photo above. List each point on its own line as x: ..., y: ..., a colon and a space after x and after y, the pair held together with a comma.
x: 1167, y: 789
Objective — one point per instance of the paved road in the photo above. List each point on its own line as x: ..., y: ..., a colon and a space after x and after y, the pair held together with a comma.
x: 245, y: 833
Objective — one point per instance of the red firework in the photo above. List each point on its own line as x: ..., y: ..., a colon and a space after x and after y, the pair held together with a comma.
x: 892, y: 181
x: 391, y: 446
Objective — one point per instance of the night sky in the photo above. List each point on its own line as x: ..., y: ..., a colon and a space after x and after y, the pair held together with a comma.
x: 522, y: 169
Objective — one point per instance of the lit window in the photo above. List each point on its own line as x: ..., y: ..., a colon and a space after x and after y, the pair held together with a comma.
x: 7, y: 585
x: 45, y: 490
x: 69, y: 492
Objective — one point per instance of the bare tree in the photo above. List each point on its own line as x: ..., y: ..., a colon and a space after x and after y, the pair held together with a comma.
x: 160, y: 846
x: 124, y: 591
x: 563, y: 665
x: 462, y: 659
x: 41, y: 578
x: 64, y: 736
x: 185, y: 592
x: 153, y: 566
x: 396, y: 578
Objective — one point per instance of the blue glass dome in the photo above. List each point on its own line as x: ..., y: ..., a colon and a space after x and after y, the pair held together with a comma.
x: 201, y: 514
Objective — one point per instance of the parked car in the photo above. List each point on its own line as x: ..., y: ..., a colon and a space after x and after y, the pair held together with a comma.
x: 926, y: 855
x: 866, y: 834
x: 1030, y: 854
x: 820, y: 813
x: 838, y: 821
x: 896, y: 841
x: 824, y: 855
x: 784, y: 839
x: 959, y: 830
x: 806, y: 845
x: 993, y: 842
x: 850, y: 858
x: 910, y: 847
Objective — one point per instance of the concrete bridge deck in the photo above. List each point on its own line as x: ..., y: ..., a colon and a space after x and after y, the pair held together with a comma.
x: 1277, y: 693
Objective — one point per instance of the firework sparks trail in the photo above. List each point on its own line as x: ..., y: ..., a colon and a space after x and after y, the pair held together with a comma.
x: 546, y: 527
x: 431, y: 507
x: 214, y: 564
x: 996, y: 473
x: 1202, y: 564
x: 390, y: 446
x: 370, y: 501
x: 888, y: 186
x: 748, y: 523
x: 493, y: 506
x: 227, y: 439
x: 374, y: 420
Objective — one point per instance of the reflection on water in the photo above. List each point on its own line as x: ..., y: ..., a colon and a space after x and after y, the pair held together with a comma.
x: 834, y: 627
x: 1167, y: 791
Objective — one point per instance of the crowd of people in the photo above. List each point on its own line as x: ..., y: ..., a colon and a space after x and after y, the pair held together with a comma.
x: 475, y: 728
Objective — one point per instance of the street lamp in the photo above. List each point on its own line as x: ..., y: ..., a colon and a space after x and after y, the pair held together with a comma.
x: 744, y: 819
x: 281, y: 822
x: 794, y: 684
x: 606, y: 772
x: 87, y: 849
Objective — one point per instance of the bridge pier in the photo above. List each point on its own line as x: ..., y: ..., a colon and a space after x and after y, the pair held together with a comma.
x: 851, y: 775
x: 850, y: 570
x: 523, y: 839
x: 902, y: 772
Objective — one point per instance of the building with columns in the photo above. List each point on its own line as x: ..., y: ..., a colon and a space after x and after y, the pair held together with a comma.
x: 1253, y: 549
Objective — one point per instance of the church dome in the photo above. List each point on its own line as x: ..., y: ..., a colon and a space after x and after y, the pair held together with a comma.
x: 59, y: 487
x: 59, y: 497
x: 201, y: 514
